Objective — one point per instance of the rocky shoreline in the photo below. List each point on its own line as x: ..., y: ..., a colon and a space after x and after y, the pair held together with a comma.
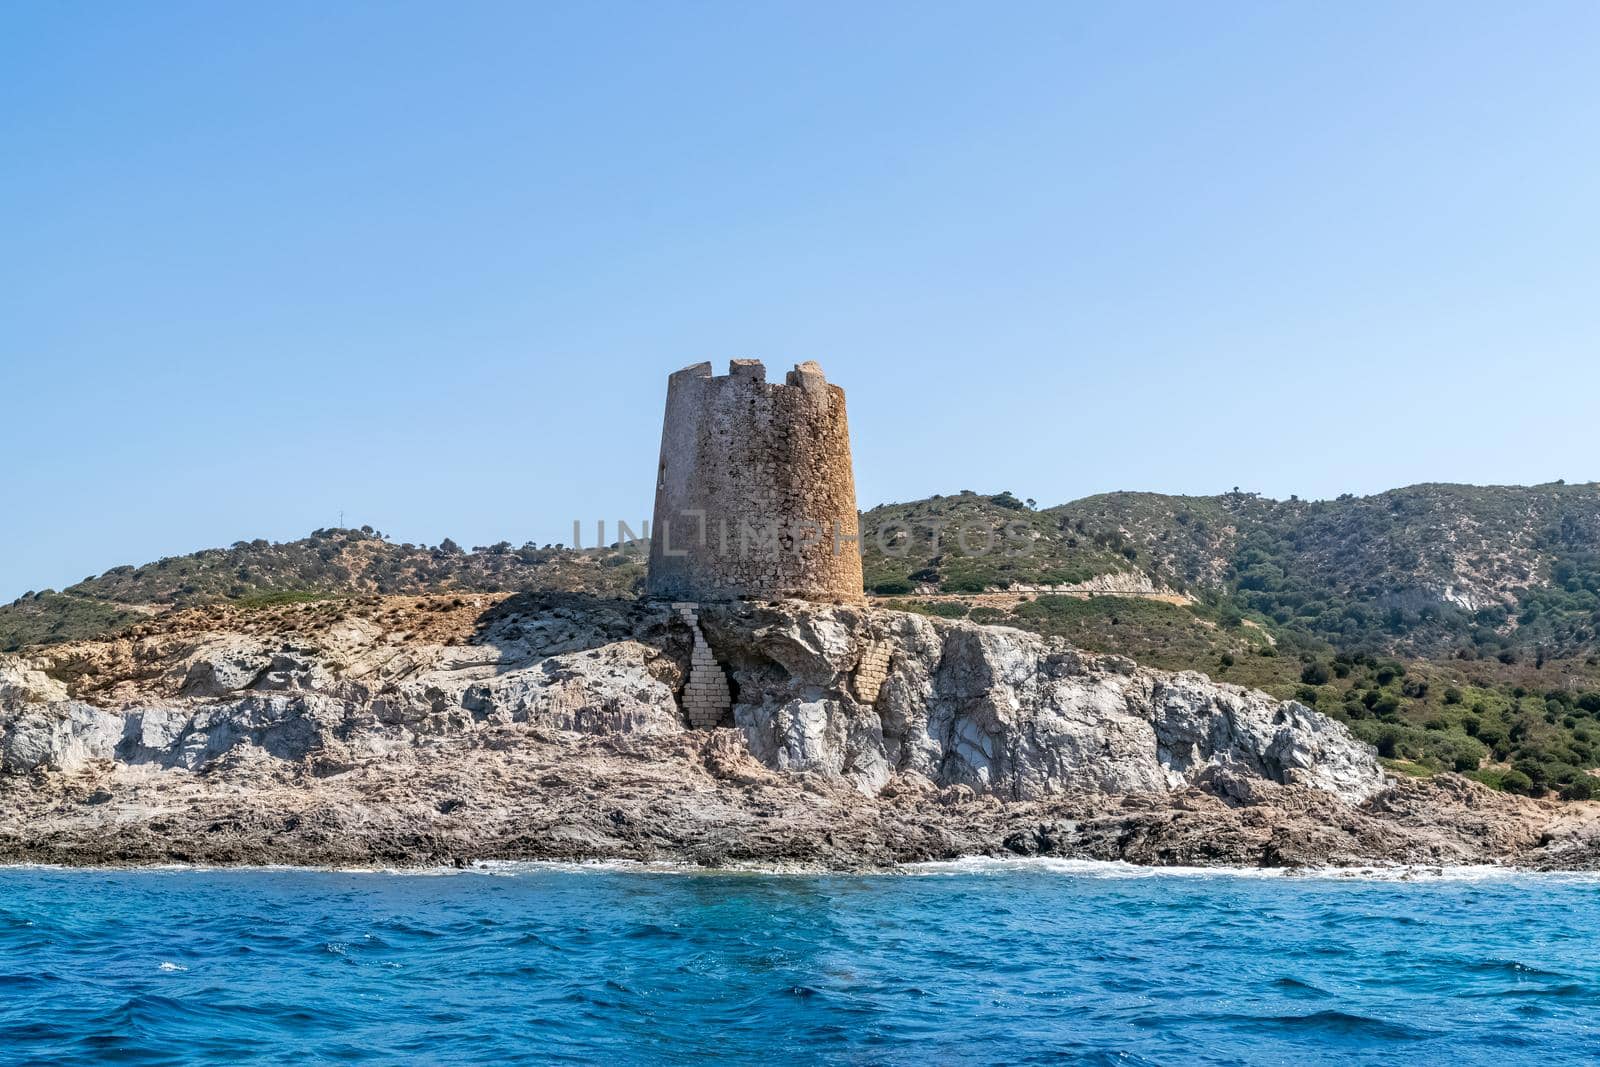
x: 420, y: 731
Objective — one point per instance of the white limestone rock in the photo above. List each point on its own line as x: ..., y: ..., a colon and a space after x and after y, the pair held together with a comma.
x: 1010, y: 713
x: 993, y: 710
x: 222, y: 665
x: 58, y: 736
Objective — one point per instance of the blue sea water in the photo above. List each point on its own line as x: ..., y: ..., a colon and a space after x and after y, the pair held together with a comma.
x: 978, y: 962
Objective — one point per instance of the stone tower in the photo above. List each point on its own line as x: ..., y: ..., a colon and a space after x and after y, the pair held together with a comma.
x: 755, y: 498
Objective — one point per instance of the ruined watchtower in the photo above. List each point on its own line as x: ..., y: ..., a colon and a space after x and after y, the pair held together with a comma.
x: 755, y: 498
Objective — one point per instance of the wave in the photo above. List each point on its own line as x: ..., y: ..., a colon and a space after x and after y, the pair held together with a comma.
x: 1123, y: 869
x: 1339, y: 1024
x: 965, y: 865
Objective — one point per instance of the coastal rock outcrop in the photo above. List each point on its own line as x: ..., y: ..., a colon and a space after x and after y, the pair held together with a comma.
x: 1009, y: 713
x: 999, y: 711
x: 427, y: 729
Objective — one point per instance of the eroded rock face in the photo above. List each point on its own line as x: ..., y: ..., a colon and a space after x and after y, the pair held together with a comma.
x: 992, y: 710
x: 1010, y: 713
x: 424, y: 730
x: 62, y: 735
x: 22, y: 682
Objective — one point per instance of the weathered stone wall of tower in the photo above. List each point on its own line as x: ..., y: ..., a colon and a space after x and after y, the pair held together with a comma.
x: 755, y: 498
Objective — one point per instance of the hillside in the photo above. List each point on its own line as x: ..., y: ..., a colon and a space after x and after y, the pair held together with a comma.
x: 330, y: 562
x: 1504, y: 573
x: 1425, y: 570
x: 1450, y: 626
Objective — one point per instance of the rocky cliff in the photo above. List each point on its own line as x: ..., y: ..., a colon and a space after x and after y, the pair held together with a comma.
x: 421, y: 729
x: 997, y: 710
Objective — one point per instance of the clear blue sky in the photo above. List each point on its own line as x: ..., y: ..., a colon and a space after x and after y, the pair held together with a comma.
x: 430, y: 264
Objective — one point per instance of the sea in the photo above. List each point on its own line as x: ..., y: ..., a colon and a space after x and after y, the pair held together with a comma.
x: 979, y: 961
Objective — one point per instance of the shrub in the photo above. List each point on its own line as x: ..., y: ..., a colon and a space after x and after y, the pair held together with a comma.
x: 1315, y: 674
x: 1514, y: 781
x: 1491, y: 778
x: 963, y: 585
x: 1537, y: 771
x: 1007, y: 500
x: 1581, y: 789
x: 1456, y: 752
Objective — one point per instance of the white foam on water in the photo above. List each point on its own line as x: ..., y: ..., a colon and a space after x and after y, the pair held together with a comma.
x: 966, y: 865
x: 1122, y: 869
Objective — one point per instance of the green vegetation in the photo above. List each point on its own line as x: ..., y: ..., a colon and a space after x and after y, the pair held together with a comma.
x: 48, y: 618
x: 1151, y: 632
x: 1405, y: 767
x: 968, y: 543
x: 1371, y: 572
x: 1504, y: 573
